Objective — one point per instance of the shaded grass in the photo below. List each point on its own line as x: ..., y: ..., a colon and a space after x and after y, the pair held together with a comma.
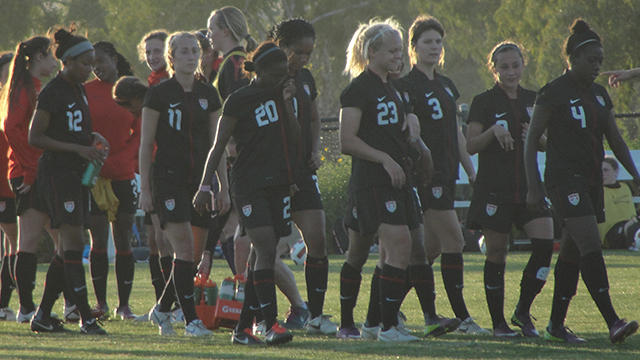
x: 129, y: 340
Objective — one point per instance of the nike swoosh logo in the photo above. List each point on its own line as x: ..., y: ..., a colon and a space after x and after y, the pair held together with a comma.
x: 80, y: 288
x: 493, y: 287
x: 459, y: 286
x: 501, y: 115
x: 345, y: 297
x: 321, y: 290
x: 71, y: 105
x: 128, y: 282
x: 392, y: 300
x: 574, y: 101
x: 48, y: 328
x: 190, y: 296
x: 242, y: 341
x: 174, y: 105
x: 262, y: 306
x: 254, y: 308
x: 429, y: 94
x: 382, y: 98
x: 603, y: 290
x: 565, y: 298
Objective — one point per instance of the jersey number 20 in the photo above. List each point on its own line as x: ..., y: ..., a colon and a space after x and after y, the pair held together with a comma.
x: 266, y: 113
x: 388, y: 113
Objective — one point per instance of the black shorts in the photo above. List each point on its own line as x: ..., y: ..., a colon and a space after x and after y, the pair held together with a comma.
x: 351, y: 217
x: 7, y: 210
x: 30, y: 200
x: 127, y: 193
x: 500, y: 217
x: 265, y: 207
x: 577, y: 200
x: 68, y: 201
x: 147, y: 217
x: 173, y: 202
x: 308, y: 196
x: 385, y: 205
x: 438, y: 195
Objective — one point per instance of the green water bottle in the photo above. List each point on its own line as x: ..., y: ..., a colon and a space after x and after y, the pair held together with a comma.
x: 91, y: 173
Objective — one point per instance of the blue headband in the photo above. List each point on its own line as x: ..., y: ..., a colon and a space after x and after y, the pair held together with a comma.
x: 585, y: 42
x: 265, y: 53
x: 76, y: 50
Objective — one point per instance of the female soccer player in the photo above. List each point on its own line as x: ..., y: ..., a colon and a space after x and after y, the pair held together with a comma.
x: 34, y: 60
x: 498, y: 122
x: 180, y: 117
x: 151, y: 50
x: 372, y: 124
x: 261, y: 119
x: 117, y: 178
x: 576, y: 113
x: 61, y: 126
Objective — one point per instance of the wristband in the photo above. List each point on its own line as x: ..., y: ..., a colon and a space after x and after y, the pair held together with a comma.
x: 205, y: 188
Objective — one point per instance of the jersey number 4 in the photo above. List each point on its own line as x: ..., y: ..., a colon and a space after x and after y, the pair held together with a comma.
x: 578, y: 114
x: 388, y: 113
x: 266, y: 113
x: 75, y: 118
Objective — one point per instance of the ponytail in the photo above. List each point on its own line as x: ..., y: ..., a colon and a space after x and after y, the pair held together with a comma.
x: 124, y: 66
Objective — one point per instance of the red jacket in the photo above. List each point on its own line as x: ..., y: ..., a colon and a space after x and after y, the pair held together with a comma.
x: 119, y: 127
x: 5, y: 189
x: 23, y: 158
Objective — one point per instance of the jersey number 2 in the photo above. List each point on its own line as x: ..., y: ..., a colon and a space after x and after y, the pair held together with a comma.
x: 75, y: 118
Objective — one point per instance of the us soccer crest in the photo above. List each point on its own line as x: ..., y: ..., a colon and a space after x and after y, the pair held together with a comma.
x: 574, y: 199
x: 306, y: 88
x: 449, y: 91
x: 246, y: 210
x: 170, y: 204
x: 530, y: 111
x: 391, y: 206
x: 354, y: 212
x: 69, y: 206
x: 204, y: 104
x: 600, y: 99
x: 491, y: 209
x: 3, y: 206
x: 437, y: 192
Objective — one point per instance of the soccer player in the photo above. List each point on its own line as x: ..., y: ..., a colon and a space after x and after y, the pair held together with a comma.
x: 433, y: 98
x: 117, y: 178
x: 577, y: 113
x: 180, y: 117
x: 498, y: 122
x: 61, y: 126
x: 261, y: 119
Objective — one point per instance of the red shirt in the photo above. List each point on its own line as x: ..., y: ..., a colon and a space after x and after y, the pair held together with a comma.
x: 23, y: 158
x: 156, y: 77
x: 5, y: 189
x: 119, y: 127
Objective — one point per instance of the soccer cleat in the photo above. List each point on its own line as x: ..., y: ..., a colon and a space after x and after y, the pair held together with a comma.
x: 144, y: 317
x: 260, y: 328
x: 621, y: 330
x: 245, y: 338
x: 563, y: 334
x: 71, y: 314
x: 348, y: 333
x: 163, y: 320
x: 196, y: 328
x: 504, y: 331
x: 277, y: 335
x: 370, y: 332
x: 92, y: 327
x: 297, y: 318
x: 49, y: 324
x: 402, y: 318
x: 469, y: 327
x: 440, y: 325
x: 524, y: 322
x: 125, y: 313
x: 177, y: 316
x: 6, y: 314
x: 322, y: 325
x: 100, y: 311
x: 396, y: 335
x: 25, y: 318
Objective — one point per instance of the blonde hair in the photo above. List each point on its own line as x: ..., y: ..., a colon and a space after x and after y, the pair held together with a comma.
x: 170, y: 48
x: 371, y: 35
x: 233, y: 19
x: 421, y: 24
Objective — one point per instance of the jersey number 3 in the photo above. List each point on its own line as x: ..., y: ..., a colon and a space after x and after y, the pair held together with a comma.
x: 75, y: 118
x: 388, y: 113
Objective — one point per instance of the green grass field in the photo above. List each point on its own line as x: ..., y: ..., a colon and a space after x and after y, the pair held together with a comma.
x: 129, y: 340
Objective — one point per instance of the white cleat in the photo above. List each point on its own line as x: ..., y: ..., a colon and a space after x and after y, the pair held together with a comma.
x: 196, y: 328
x: 163, y: 320
x: 469, y: 327
x: 396, y: 335
x: 322, y: 325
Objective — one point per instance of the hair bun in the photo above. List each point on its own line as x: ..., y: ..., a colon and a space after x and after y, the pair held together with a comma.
x: 249, y: 66
x: 579, y: 26
x: 62, y: 35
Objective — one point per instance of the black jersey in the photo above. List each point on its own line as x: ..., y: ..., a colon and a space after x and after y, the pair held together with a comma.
x: 230, y: 76
x: 501, y: 174
x: 383, y: 113
x: 579, y: 117
x: 434, y: 103
x: 261, y: 138
x: 70, y: 121
x: 306, y: 93
x: 183, y: 132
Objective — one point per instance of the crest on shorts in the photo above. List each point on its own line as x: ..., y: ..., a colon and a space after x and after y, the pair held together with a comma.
x: 600, y: 99
x: 530, y: 111
x: 437, y: 192
x: 491, y: 209
x: 246, y: 210
x: 391, y: 205
x: 354, y: 212
x: 306, y: 88
x: 3, y: 206
x: 574, y: 199
x: 69, y: 206
x: 204, y: 104
x: 449, y: 91
x: 170, y: 204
